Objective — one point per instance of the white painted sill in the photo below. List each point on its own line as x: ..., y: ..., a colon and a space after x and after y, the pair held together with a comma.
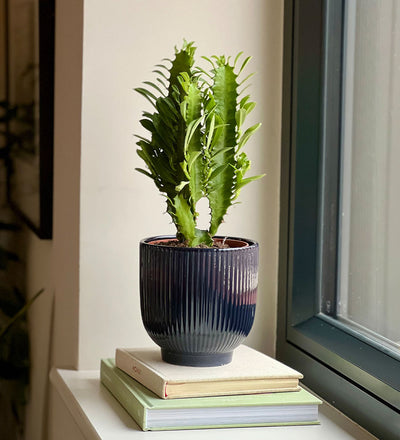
x: 99, y: 416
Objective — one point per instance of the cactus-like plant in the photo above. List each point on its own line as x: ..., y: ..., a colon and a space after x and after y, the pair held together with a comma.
x: 197, y: 136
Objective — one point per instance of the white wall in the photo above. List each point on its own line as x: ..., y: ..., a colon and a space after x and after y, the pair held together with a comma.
x: 123, y: 40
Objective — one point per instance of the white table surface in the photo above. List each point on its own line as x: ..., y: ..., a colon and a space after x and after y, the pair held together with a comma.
x: 99, y: 416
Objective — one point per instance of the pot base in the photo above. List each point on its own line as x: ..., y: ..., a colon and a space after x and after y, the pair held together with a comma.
x: 196, y: 360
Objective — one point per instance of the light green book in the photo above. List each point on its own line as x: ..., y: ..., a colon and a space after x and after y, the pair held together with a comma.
x: 153, y: 413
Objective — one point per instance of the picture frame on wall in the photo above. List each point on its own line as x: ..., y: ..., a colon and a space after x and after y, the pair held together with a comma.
x: 30, y: 96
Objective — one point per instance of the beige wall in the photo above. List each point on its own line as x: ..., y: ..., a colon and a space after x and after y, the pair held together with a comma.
x: 122, y: 42
x: 39, y: 275
x: 54, y: 318
x: 102, y: 206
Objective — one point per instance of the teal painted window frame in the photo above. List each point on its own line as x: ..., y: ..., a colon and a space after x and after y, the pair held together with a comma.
x: 349, y: 371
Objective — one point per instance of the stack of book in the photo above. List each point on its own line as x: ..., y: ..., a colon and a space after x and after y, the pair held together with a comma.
x: 253, y: 390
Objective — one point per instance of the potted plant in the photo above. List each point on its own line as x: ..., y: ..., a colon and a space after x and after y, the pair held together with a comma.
x: 198, y: 290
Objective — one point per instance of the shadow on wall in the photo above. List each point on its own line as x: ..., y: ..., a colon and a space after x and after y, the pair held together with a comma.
x: 14, y: 338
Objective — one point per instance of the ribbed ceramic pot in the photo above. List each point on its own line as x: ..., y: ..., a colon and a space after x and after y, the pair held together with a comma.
x: 198, y: 304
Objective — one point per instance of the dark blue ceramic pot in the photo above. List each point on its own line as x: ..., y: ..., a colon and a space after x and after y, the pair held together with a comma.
x: 198, y: 304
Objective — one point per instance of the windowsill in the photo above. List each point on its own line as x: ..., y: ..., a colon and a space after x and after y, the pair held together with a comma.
x: 99, y: 416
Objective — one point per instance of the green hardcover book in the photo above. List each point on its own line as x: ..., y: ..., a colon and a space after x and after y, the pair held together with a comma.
x: 153, y: 413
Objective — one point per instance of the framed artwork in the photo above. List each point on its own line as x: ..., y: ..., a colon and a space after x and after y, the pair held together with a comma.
x: 30, y: 94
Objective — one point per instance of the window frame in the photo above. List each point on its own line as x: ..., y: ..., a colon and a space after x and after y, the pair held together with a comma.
x: 349, y: 372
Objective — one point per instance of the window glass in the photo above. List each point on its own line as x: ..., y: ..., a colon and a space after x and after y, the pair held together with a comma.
x: 369, y: 224
x: 339, y: 258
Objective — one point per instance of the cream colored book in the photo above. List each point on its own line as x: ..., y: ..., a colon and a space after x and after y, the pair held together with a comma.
x: 250, y: 372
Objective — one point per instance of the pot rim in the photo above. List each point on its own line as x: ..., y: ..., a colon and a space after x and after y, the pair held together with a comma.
x: 248, y: 243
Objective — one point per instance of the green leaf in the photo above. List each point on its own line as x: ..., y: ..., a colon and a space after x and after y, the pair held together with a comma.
x: 210, y: 61
x: 244, y: 100
x: 182, y: 185
x: 243, y: 183
x: 146, y: 173
x: 220, y: 184
x: 214, y: 174
x: 247, y: 77
x: 251, y: 179
x: 247, y: 135
x: 148, y: 95
x: 223, y: 150
x: 210, y: 133
x: 240, y: 117
x: 192, y: 145
x: 244, y: 89
x: 183, y: 62
x: 155, y: 86
x: 191, y: 131
x: 162, y: 66
x: 20, y: 313
x: 245, y: 62
x: 249, y: 107
x: 237, y: 58
x: 167, y: 109
x: 162, y: 74
x: 193, y: 159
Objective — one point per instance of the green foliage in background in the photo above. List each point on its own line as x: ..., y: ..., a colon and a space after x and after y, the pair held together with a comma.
x: 197, y: 135
x: 14, y: 345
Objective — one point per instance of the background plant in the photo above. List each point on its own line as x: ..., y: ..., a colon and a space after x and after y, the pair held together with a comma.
x: 197, y: 137
x: 14, y: 336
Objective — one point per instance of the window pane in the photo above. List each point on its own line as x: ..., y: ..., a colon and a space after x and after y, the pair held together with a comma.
x: 369, y: 256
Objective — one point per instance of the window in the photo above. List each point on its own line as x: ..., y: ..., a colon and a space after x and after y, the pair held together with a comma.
x: 369, y: 243
x: 339, y: 279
